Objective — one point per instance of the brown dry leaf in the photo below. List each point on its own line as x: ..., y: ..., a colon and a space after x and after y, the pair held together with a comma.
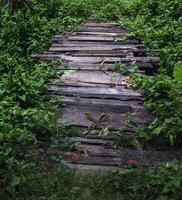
x: 127, y: 81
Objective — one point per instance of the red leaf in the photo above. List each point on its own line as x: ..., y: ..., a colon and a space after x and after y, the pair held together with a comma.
x: 132, y: 162
x: 75, y: 156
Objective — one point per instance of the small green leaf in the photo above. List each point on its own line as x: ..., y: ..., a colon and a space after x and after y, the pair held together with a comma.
x: 15, y: 181
x: 23, y: 97
x: 178, y: 71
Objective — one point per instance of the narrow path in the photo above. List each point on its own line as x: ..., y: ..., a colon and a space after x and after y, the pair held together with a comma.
x: 97, y: 97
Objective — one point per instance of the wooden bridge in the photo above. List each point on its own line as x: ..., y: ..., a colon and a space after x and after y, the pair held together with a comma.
x: 97, y: 98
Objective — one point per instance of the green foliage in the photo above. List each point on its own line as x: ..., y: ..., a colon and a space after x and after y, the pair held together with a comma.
x: 26, y: 114
x: 163, y: 96
x: 178, y: 71
x: 161, y: 182
x: 126, y: 70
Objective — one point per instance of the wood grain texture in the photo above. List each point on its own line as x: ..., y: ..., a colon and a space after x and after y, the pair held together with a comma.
x: 75, y: 115
x: 94, y: 92
x: 98, y: 77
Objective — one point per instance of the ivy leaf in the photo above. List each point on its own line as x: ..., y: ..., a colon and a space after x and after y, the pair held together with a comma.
x: 23, y: 97
x: 178, y: 71
x: 15, y: 181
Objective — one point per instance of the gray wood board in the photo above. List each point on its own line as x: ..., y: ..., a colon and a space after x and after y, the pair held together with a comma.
x: 89, y: 168
x: 100, y: 77
x: 98, y: 60
x: 71, y: 37
x: 102, y: 24
x: 106, y: 34
x: 85, y: 140
x: 99, y: 54
x: 107, y: 67
x: 75, y: 115
x: 102, y: 93
x: 108, y: 157
x: 113, y: 105
x: 94, y: 38
x: 57, y: 82
x: 102, y: 29
x: 64, y: 42
x: 97, y: 48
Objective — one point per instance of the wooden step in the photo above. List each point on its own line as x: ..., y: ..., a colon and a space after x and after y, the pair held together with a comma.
x: 102, y: 156
x: 99, y: 34
x: 99, y: 67
x: 62, y: 41
x: 95, y: 92
x: 103, y: 24
x: 75, y: 115
x: 97, y: 48
x: 113, y: 105
x: 95, y: 77
x: 95, y: 60
x: 102, y: 29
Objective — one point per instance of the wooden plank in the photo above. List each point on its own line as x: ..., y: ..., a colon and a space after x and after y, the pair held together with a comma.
x: 108, y: 157
x: 102, y: 29
x: 94, y: 38
x: 96, y: 77
x: 144, y: 64
x: 66, y: 43
x: 98, y: 34
x: 89, y: 37
x: 85, y: 140
x: 102, y: 93
x: 113, y: 105
x: 97, y: 48
x: 84, y: 159
x: 99, y: 67
x: 102, y: 49
x: 99, y: 54
x: 81, y: 66
x: 75, y: 115
x: 103, y: 24
x: 57, y: 82
x: 98, y: 60
x: 80, y: 167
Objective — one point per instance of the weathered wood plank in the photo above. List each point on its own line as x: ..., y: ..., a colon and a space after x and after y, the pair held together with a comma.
x: 90, y: 37
x: 57, y: 82
x: 97, y: 77
x: 85, y: 140
x: 113, y: 105
x: 75, y: 115
x: 103, y: 24
x: 64, y: 42
x: 81, y: 66
x: 102, y: 29
x: 94, y: 38
x: 98, y: 34
x: 109, y: 157
x: 97, y: 48
x: 102, y: 93
x: 106, y: 59
x: 89, y: 167
x: 99, y: 54
x: 99, y: 67
x: 102, y: 48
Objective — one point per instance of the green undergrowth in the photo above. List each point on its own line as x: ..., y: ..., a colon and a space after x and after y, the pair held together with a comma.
x: 26, y: 114
x: 162, y: 183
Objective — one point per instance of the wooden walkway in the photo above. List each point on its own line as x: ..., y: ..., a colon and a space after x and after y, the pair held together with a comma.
x: 97, y: 97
